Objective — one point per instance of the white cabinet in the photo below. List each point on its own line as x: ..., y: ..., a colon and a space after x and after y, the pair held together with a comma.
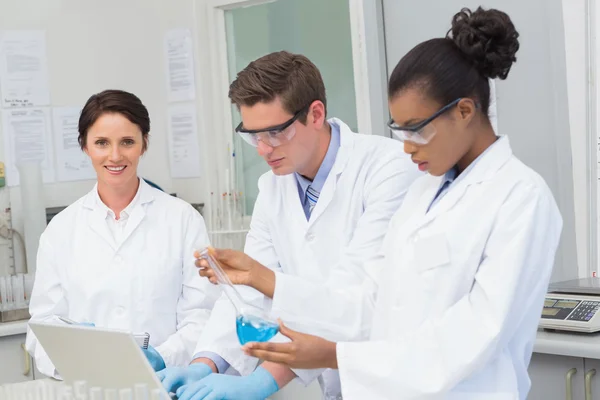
x: 592, y: 375
x: 560, y: 377
x: 15, y: 363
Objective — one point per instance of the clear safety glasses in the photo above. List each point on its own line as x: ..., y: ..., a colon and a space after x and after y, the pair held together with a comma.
x: 420, y: 133
x: 273, y: 136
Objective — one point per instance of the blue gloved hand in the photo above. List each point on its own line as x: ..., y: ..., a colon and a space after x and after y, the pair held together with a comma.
x: 173, y: 378
x: 257, y: 386
x: 154, y: 358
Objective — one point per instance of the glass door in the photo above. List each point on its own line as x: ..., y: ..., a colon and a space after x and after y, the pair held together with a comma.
x: 317, y: 29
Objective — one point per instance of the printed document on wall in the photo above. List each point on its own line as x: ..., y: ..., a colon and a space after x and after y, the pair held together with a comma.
x: 27, y: 137
x: 179, y: 56
x: 23, y: 69
x: 72, y: 164
x: 184, y: 151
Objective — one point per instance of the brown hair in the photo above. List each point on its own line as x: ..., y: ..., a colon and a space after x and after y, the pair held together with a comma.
x: 291, y: 77
x: 114, y: 101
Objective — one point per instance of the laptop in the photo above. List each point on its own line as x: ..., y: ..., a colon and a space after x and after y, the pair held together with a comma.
x: 106, y: 358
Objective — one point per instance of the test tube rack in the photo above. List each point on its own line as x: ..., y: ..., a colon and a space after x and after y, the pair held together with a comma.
x: 52, y: 390
x: 14, y: 297
x: 227, y: 222
x: 17, y: 314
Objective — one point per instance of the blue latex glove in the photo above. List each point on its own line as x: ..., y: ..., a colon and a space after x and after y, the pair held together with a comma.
x: 173, y: 378
x: 257, y: 386
x: 154, y: 358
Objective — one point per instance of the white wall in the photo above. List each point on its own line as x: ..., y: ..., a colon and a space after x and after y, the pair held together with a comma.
x: 96, y: 45
x: 574, y: 18
x: 535, y: 119
x: 583, y: 150
x: 119, y: 44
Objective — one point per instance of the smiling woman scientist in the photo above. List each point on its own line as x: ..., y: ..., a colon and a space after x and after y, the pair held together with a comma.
x: 469, y: 254
x: 122, y: 255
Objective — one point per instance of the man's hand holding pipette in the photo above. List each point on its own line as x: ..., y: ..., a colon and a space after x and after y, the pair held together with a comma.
x: 240, y: 268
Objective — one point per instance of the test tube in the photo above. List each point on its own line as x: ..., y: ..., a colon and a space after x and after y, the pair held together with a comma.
x: 10, y: 293
x: 51, y: 391
x: 18, y: 290
x: 126, y: 394
x: 157, y: 394
x: 110, y: 394
x: 141, y: 392
x: 223, y: 279
x: 80, y: 390
x: 6, y: 293
x: 8, y: 393
x: 48, y: 390
x: 3, y: 297
x: 96, y: 393
x: 18, y: 392
x: 37, y: 391
x: 65, y: 394
x: 28, y: 283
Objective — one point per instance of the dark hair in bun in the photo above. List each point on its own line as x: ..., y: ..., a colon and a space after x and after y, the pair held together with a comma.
x: 480, y: 45
x: 488, y: 39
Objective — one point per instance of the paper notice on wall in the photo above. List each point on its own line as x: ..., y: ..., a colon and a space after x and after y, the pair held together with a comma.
x: 23, y: 69
x: 184, y: 150
x: 27, y: 137
x: 72, y: 164
x: 181, y: 85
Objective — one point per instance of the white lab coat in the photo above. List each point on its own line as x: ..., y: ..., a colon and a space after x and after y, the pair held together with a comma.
x: 322, y: 286
x: 147, y: 284
x: 462, y: 289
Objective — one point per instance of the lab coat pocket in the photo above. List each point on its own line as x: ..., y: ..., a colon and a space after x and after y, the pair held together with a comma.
x: 432, y: 252
x: 162, y: 283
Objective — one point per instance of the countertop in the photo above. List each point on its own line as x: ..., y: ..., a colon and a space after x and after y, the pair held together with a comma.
x: 568, y: 344
x: 13, y: 328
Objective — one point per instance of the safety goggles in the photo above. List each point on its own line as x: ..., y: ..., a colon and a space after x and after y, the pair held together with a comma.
x: 420, y: 133
x: 273, y: 136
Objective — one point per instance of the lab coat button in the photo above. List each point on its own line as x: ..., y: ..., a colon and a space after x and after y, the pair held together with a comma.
x: 310, y: 237
x: 120, y: 310
x: 118, y: 260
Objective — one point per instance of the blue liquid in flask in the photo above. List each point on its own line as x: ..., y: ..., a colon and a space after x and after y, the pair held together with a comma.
x: 254, y: 329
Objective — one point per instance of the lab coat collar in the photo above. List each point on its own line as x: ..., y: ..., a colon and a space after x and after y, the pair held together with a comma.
x: 485, y: 168
x: 126, y: 211
x: 97, y: 217
x: 326, y: 166
x: 144, y: 195
x: 347, y: 141
x: 347, y: 138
